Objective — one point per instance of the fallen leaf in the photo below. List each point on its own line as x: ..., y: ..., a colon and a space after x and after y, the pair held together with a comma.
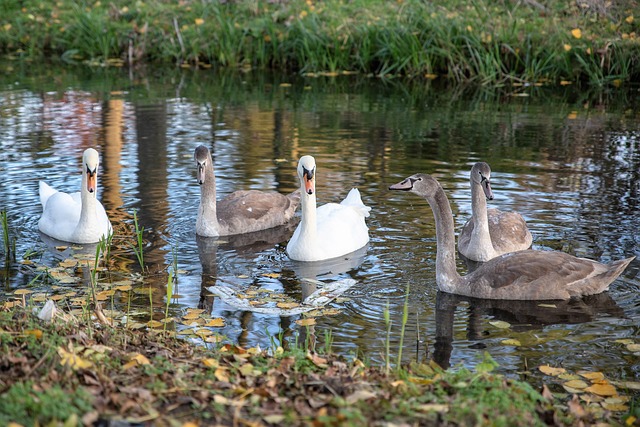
x: 317, y: 360
x: 593, y: 376
x: 511, y: 341
x: 306, y: 322
x: 272, y: 275
x: 221, y: 374
x: 37, y: 333
x: 286, y: 305
x: 359, y: 395
x: 274, y: 419
x: 72, y: 360
x: 602, y: 389
x: 210, y: 363
x: 576, y: 33
x: 216, y: 323
x: 576, y: 384
x: 548, y: 370
x: 22, y: 292
x: 500, y: 324
x: 576, y: 408
x: 191, y: 316
x: 633, y: 347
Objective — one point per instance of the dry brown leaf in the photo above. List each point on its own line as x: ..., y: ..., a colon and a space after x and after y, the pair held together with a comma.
x: 433, y: 407
x: 576, y: 408
x: 317, y: 360
x: 359, y: 395
x: 546, y: 393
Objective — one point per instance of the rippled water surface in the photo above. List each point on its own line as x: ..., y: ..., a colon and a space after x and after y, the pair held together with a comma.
x: 568, y: 161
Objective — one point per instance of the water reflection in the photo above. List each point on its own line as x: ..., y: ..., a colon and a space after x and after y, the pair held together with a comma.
x: 520, y: 315
x: 568, y: 160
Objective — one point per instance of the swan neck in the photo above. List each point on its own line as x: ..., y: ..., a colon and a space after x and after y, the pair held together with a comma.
x: 207, y: 213
x: 88, y: 217
x: 447, y: 277
x: 479, y: 212
x: 308, y: 222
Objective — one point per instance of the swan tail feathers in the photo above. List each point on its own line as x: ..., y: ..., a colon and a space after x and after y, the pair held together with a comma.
x: 45, y: 191
x: 354, y: 201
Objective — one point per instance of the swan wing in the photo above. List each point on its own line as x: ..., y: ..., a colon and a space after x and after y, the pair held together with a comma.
x: 253, y: 210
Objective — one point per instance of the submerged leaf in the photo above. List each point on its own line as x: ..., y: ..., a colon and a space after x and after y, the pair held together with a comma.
x: 500, y: 324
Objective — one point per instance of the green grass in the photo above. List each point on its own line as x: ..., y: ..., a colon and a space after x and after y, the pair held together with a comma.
x: 483, y: 41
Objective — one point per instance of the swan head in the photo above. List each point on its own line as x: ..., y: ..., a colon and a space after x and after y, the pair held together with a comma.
x: 90, y: 162
x: 307, y: 174
x: 481, y: 174
x: 202, y: 156
x: 422, y: 184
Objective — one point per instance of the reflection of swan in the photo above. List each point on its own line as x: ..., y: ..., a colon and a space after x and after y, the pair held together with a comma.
x: 78, y: 217
x: 522, y: 275
x: 490, y: 232
x: 241, y: 211
x: 521, y: 315
x: 332, y: 229
x: 249, y: 243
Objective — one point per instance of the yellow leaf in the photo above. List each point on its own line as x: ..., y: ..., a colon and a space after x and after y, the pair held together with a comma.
x: 602, y: 389
x: 276, y: 275
x: 154, y: 324
x: 203, y: 332
x: 287, y: 305
x: 579, y: 384
x: 511, y: 341
x: 247, y: 370
x: 593, y: 376
x: 430, y: 76
x: 210, y: 363
x: 37, y: 333
x: 68, y: 263
x: 199, y: 21
x: 629, y: 19
x: 221, y: 374
x: 306, y: 322
x: 633, y: 347
x: 572, y: 115
x: 136, y: 359
x: 191, y: 316
x: 22, y: 292
x: 615, y: 407
x: 576, y: 33
x: 73, y: 361
x: 562, y: 83
x: 567, y: 47
x: 548, y: 370
x: 218, y: 322
x: 500, y: 324
x: 317, y: 360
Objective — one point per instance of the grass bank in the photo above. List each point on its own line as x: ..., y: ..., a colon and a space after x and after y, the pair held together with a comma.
x: 483, y: 41
x: 74, y: 372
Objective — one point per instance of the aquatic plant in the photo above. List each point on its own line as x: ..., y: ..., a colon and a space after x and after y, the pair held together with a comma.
x: 138, y: 248
x: 9, y: 245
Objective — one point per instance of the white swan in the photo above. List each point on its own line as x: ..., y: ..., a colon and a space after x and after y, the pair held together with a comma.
x: 78, y: 217
x: 241, y: 211
x: 522, y: 275
x: 332, y: 229
x: 490, y: 232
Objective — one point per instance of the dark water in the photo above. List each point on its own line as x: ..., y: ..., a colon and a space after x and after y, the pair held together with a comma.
x: 567, y: 159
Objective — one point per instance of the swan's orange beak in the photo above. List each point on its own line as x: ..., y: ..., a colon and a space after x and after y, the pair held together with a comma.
x: 92, y: 180
x: 309, y: 181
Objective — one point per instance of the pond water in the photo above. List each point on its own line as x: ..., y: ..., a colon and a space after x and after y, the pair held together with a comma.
x: 567, y: 159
